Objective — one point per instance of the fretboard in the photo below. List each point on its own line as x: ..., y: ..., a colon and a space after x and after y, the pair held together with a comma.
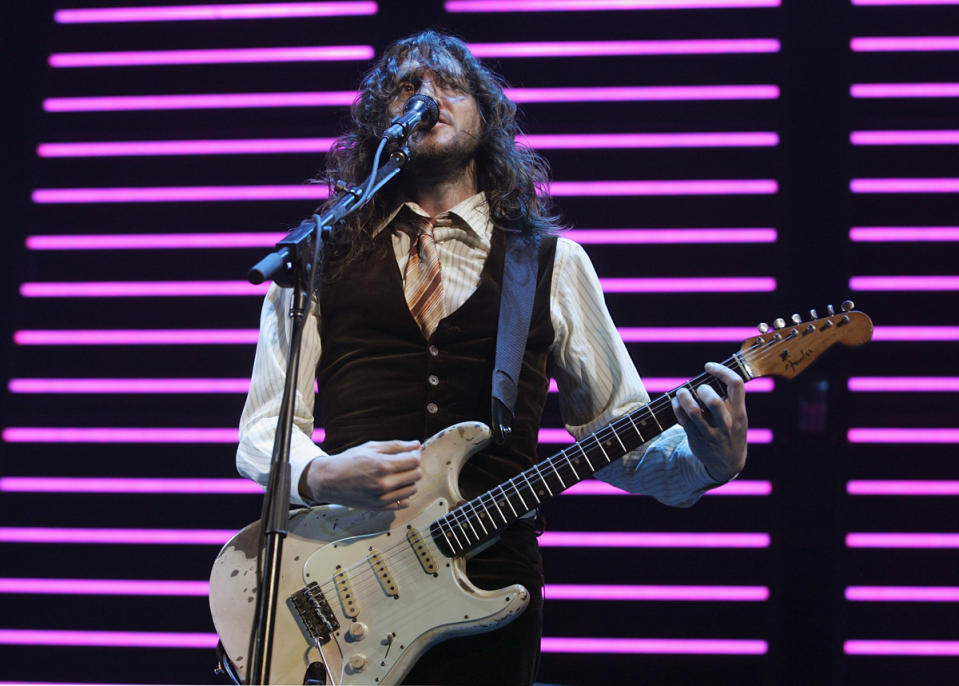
x: 480, y: 519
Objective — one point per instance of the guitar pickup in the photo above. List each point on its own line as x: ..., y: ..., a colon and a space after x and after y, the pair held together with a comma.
x: 419, y: 547
x: 383, y: 574
x: 315, y: 612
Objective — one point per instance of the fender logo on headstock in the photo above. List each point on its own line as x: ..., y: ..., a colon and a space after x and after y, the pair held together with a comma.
x: 793, y: 364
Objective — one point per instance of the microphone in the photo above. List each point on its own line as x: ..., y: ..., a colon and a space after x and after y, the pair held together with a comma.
x: 420, y: 111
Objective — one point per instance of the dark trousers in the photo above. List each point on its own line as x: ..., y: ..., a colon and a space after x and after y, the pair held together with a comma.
x: 509, y: 655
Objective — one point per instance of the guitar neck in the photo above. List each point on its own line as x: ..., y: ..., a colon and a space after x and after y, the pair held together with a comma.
x: 480, y: 519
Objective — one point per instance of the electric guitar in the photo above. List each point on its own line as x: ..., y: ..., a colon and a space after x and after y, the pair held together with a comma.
x: 363, y: 594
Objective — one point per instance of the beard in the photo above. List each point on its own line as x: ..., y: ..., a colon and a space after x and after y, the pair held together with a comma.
x: 432, y: 160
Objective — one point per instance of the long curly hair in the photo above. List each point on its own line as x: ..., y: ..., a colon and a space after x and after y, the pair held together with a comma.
x: 514, y: 177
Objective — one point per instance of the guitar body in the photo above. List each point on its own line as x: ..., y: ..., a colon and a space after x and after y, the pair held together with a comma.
x: 392, y: 594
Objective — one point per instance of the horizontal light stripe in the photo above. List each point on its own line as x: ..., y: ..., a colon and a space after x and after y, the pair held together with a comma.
x: 597, y: 487
x: 904, y: 43
x: 562, y: 436
x: 108, y: 434
x: 115, y: 536
x: 136, y: 587
x: 654, y: 646
x: 897, y: 647
x: 898, y: 384
x: 724, y: 284
x: 905, y: 137
x: 903, y: 594
x: 107, y: 639
x: 908, y: 488
x: 903, y: 233
x: 666, y: 539
x: 121, y: 289
x: 598, y: 5
x: 910, y: 435
x: 624, y: 48
x: 275, y: 10
x: 320, y: 53
x: 317, y: 191
x: 675, y: 334
x: 905, y: 185
x: 655, y: 593
x: 902, y: 540
x: 53, y: 484
x: 242, y: 385
x: 179, y: 241
x: 904, y: 283
x: 114, y: 103
x: 904, y: 90
x: 257, y: 146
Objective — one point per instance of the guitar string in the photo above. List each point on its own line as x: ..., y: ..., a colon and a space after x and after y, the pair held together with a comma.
x: 360, y: 572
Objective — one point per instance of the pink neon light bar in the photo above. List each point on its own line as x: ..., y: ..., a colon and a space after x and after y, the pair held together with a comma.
x: 129, y: 385
x: 897, y: 384
x: 115, y: 536
x: 320, y: 53
x: 597, y: 5
x: 597, y: 487
x: 686, y: 334
x: 904, y: 283
x: 655, y: 646
x: 121, y: 289
x: 903, y: 594
x: 136, y: 337
x: 916, y: 333
x: 345, y: 98
x: 105, y: 587
x: 654, y: 593
x: 623, y: 48
x: 911, y: 487
x: 904, y: 90
x: 561, y: 436
x: 257, y: 146
x: 276, y: 10
x: 179, y: 241
x: 910, y: 435
x: 666, y: 539
x: 904, y: 44
x: 52, y: 484
x: 908, y: 185
x: 727, y: 284
x: 661, y: 384
x: 919, y: 648
x: 905, y: 137
x: 107, y: 639
x: 903, y: 233
x: 901, y: 540
x: 307, y: 191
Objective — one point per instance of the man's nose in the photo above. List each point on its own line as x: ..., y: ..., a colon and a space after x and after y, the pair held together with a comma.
x: 426, y: 88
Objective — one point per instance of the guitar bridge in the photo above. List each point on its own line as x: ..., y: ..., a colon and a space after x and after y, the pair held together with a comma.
x: 315, y: 612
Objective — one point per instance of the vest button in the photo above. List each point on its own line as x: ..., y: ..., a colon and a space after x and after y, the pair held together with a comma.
x: 433, y: 379
x: 432, y: 408
x: 433, y: 350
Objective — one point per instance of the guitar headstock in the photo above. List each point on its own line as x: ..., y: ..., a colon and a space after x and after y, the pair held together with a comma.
x: 788, y: 348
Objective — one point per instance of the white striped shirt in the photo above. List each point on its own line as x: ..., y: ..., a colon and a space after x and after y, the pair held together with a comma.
x: 595, y: 375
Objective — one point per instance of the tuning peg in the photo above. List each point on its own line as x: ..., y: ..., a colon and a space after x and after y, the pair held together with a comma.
x: 796, y: 319
x: 847, y: 305
x: 763, y: 327
x: 779, y: 323
x: 813, y: 314
x: 830, y: 310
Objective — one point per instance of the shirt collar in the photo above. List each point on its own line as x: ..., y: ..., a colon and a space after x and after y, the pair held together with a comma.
x: 473, y: 215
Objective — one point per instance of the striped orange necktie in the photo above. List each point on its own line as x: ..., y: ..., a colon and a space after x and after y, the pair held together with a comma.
x: 423, y: 285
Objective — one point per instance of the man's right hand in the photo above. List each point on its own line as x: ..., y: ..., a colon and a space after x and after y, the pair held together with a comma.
x: 378, y: 475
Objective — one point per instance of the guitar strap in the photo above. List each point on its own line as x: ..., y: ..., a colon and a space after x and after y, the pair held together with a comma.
x: 520, y: 267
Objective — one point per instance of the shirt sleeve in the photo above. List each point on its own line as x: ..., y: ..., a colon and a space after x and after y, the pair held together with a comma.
x: 262, y: 408
x: 598, y: 382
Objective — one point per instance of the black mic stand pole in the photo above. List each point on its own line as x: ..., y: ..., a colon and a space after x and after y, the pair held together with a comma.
x: 293, y: 265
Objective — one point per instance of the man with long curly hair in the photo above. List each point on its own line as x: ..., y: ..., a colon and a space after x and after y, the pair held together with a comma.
x: 389, y: 379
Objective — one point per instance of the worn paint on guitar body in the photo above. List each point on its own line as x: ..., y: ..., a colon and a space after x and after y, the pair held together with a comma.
x: 426, y: 609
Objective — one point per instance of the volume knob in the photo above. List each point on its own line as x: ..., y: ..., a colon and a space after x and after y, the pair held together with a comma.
x: 358, y: 662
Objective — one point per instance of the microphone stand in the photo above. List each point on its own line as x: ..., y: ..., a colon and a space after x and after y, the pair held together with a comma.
x: 290, y: 266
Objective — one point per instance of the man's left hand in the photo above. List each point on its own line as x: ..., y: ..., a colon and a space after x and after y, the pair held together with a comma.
x: 717, y: 436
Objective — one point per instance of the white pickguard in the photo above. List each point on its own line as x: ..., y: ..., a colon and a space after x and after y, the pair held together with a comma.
x: 427, y: 608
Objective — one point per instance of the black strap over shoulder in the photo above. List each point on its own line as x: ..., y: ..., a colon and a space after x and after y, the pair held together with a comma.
x: 515, y: 311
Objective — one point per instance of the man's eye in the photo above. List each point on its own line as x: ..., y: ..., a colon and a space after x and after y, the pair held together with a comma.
x: 406, y: 88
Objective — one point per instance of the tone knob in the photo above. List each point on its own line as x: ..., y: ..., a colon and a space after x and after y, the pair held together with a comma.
x: 358, y: 662
x: 357, y: 630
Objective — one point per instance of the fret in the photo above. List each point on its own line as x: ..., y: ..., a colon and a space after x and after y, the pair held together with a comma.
x: 446, y: 538
x: 493, y: 498
x: 652, y: 412
x: 543, y: 479
x: 550, y: 461
x: 585, y: 456
x: 463, y: 528
x: 566, y: 457
x: 531, y: 489
x: 526, y: 508
x: 455, y: 537
x: 479, y: 518
x: 635, y: 428
x: 618, y: 440
x: 506, y: 498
